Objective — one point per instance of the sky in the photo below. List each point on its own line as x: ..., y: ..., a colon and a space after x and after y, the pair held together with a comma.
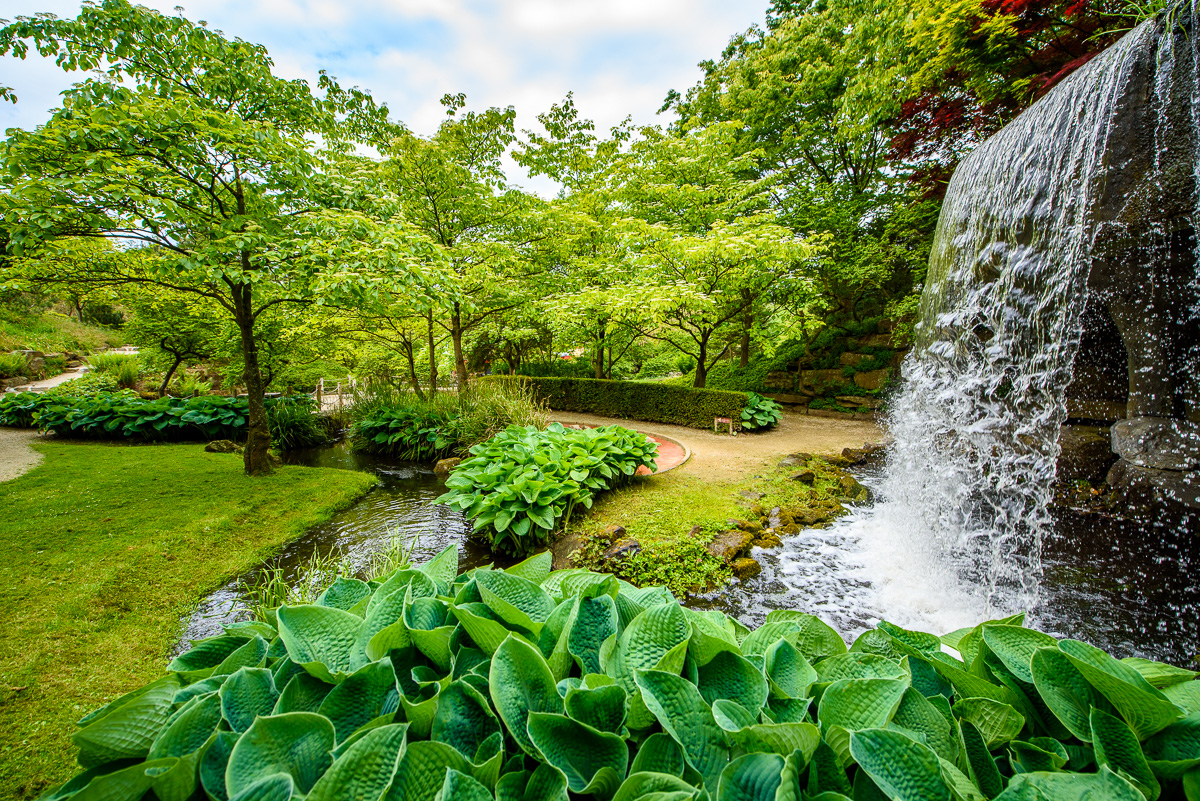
x: 619, y: 57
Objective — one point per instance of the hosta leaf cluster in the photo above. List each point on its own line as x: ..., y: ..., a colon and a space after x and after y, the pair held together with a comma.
x: 528, y: 685
x: 522, y: 482
x: 407, y: 433
x: 760, y: 413
x: 122, y: 416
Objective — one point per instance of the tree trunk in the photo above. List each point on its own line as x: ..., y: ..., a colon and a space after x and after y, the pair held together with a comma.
x: 598, y: 361
x: 747, y: 323
x: 460, y: 364
x: 702, y: 363
x: 433, y: 371
x: 412, y: 369
x: 162, y: 390
x: 258, y: 436
x: 608, y: 369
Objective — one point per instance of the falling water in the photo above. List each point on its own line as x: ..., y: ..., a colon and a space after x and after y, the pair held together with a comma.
x: 1072, y: 199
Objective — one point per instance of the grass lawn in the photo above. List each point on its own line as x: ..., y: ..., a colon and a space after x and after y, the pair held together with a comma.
x: 660, y: 512
x: 103, y: 549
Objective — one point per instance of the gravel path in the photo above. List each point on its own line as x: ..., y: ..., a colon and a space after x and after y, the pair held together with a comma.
x: 721, y: 456
x: 16, y: 457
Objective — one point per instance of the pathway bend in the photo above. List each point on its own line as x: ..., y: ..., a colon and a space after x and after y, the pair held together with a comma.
x: 720, y: 456
x: 16, y: 457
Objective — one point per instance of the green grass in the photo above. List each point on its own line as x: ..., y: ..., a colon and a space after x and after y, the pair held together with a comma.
x: 660, y: 511
x: 51, y: 332
x: 103, y: 549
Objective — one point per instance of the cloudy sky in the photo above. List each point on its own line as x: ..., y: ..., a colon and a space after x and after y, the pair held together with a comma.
x: 619, y: 56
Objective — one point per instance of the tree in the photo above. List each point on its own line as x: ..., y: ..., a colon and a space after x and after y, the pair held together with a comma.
x: 452, y: 188
x: 177, y: 325
x: 705, y: 246
x: 183, y: 142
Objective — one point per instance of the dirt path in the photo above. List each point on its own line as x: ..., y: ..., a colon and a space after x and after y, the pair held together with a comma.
x: 16, y: 457
x: 720, y: 456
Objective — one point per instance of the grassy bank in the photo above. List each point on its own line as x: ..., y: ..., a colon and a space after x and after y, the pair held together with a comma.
x: 103, y: 548
x: 51, y: 332
x: 661, y: 513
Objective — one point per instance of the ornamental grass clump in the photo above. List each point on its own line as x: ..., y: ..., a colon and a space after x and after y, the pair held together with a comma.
x: 523, y: 483
x: 530, y: 685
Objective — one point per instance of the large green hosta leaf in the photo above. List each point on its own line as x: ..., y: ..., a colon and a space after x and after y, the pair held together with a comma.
x: 601, y: 707
x: 247, y: 694
x: 997, y: 722
x: 685, y: 715
x: 1117, y: 748
x: 545, y: 783
x: 1175, y: 750
x: 1143, y: 707
x: 126, y: 728
x: 753, y: 777
x: 323, y: 640
x: 464, y: 719
x: 363, y: 696
x: 520, y: 682
x: 365, y: 770
x: 1015, y: 647
x: 296, y: 743
x: 594, y: 762
x: 422, y: 771
x: 1102, y: 786
x: 657, y: 786
x: 1065, y: 691
x: 903, y: 769
x: 730, y: 675
x: 855, y: 704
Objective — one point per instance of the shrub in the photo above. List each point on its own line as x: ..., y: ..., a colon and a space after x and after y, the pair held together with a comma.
x: 760, y: 413
x: 656, y: 402
x: 88, y: 384
x: 519, y: 485
x: 400, y: 424
x: 125, y: 415
x: 12, y: 365
x: 191, y: 384
x: 527, y: 683
x: 559, y: 368
x: 127, y: 374
x: 406, y: 432
x: 112, y: 362
x: 294, y: 424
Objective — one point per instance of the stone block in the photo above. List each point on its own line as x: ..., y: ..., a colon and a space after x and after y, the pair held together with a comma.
x: 728, y: 545
x: 1160, y: 443
x: 444, y: 466
x: 872, y: 379
x: 1145, y: 490
x: 851, y: 359
x: 1085, y: 453
x: 858, y: 400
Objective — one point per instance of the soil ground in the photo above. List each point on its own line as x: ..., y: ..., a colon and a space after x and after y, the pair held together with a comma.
x: 16, y: 457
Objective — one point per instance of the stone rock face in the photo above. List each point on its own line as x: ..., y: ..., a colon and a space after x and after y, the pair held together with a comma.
x: 727, y: 545
x: 745, y: 568
x: 621, y: 549
x: 858, y: 400
x: 793, y: 459
x: 444, y: 466
x: 872, y: 379
x: 1147, y: 490
x: 1160, y: 443
x: 805, y: 477
x: 223, y: 446
x: 817, y: 380
x: 852, y: 359
x: 768, y: 540
x: 1086, y: 453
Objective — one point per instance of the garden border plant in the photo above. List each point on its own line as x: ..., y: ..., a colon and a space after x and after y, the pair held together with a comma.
x: 529, y: 685
x: 523, y: 484
x: 635, y: 400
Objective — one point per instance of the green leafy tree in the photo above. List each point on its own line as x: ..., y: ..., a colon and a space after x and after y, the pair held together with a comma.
x: 176, y: 327
x: 183, y: 142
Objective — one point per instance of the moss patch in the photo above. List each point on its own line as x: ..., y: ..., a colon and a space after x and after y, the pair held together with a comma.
x: 104, y: 549
x: 674, y: 516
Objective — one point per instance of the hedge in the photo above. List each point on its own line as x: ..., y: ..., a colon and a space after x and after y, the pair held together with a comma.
x: 653, y: 402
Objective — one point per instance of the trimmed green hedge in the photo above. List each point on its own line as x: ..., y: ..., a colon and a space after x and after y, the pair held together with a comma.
x: 653, y: 402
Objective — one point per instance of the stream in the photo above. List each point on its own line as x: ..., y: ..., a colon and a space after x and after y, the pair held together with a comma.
x: 1107, y: 581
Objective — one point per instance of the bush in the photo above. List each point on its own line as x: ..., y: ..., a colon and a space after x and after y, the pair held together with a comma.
x: 125, y: 415
x: 400, y: 424
x: 406, y: 432
x: 559, y: 368
x: 522, y: 483
x: 760, y: 413
x: 655, y: 402
x: 12, y: 365
x: 527, y: 683
x: 88, y: 384
x: 112, y: 363
x: 294, y: 424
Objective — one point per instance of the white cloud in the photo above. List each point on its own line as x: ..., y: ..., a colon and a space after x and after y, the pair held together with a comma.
x: 619, y: 56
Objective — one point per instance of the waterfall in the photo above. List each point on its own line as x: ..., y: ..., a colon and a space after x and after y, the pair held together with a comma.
x: 1027, y: 218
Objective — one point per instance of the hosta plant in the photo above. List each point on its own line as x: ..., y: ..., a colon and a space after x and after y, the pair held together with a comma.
x: 531, y: 685
x: 520, y: 485
x: 407, y: 432
x: 760, y: 413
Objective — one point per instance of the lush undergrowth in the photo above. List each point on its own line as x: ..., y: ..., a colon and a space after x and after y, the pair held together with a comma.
x: 662, y: 514
x: 528, y: 685
x: 760, y: 413
x: 102, y: 549
x: 51, y: 332
x: 524, y: 483
x: 126, y: 416
x: 401, y: 424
